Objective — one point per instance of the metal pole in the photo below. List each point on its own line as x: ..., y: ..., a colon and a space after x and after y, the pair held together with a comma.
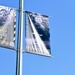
x: 19, y: 43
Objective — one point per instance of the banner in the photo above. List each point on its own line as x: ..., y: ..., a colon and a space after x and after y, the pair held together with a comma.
x: 37, y: 34
x: 7, y: 26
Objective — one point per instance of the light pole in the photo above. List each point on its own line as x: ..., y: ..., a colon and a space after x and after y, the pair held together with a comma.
x: 19, y: 43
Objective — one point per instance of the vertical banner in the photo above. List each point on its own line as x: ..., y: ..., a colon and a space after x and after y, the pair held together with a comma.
x: 37, y: 34
x: 7, y: 26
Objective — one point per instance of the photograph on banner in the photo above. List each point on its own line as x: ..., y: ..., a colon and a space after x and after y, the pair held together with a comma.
x: 7, y: 26
x: 37, y: 34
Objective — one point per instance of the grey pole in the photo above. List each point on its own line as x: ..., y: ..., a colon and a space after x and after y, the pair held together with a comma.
x: 19, y: 43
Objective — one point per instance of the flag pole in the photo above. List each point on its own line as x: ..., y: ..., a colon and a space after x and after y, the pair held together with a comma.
x: 19, y: 41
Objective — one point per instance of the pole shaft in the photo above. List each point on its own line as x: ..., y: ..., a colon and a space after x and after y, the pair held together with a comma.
x: 19, y: 43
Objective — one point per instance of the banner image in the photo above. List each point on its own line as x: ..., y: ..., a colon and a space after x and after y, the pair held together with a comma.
x: 7, y: 26
x: 37, y: 34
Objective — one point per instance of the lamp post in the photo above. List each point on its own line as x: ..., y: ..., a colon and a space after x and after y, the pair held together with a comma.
x: 19, y: 43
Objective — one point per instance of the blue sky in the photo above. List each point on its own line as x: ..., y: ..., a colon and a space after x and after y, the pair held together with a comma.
x: 62, y: 25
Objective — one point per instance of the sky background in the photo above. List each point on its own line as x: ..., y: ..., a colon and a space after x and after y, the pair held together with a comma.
x: 62, y: 31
